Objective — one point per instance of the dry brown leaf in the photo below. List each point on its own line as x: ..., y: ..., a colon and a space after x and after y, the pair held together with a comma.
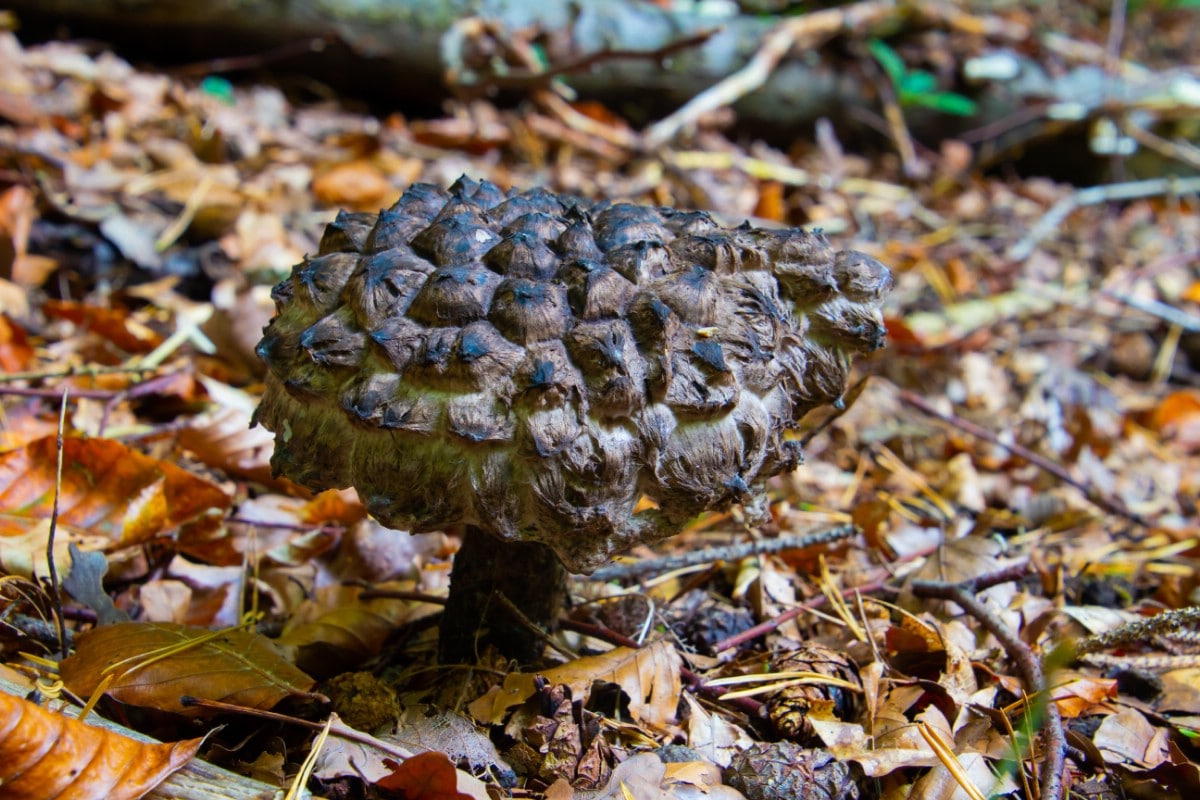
x: 650, y: 676
x: 1178, y: 416
x: 1079, y: 697
x: 44, y: 755
x: 110, y: 495
x: 336, y: 628
x: 156, y: 664
x: 22, y: 424
x: 1128, y: 738
x: 222, y: 437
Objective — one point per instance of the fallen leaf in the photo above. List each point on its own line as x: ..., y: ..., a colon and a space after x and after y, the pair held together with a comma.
x: 650, y: 676
x: 155, y: 664
x: 425, y: 776
x: 110, y: 496
x: 112, y: 324
x: 355, y: 184
x: 44, y: 755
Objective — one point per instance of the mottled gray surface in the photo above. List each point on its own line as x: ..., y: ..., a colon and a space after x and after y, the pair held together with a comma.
x: 531, y: 365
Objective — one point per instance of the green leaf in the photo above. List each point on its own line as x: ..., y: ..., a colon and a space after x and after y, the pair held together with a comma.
x: 889, y: 59
x: 218, y: 88
x: 918, y: 82
x: 950, y: 103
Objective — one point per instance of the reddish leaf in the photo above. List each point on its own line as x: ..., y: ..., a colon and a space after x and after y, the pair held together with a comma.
x: 156, y: 664
x: 426, y: 776
x: 113, y: 324
x: 49, y: 755
x: 107, y: 490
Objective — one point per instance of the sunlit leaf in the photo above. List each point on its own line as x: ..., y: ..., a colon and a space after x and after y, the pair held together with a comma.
x: 44, y: 755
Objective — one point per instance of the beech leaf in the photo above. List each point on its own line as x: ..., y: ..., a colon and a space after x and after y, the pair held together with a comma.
x: 156, y: 664
x: 48, y: 755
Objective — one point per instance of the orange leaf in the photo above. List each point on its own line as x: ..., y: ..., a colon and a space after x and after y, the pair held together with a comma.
x: 113, y: 324
x: 155, y: 664
x: 15, y: 352
x: 770, y: 202
x: 425, y: 776
x: 358, y: 184
x: 1192, y: 293
x: 107, y: 489
x: 49, y: 755
x: 1177, y: 410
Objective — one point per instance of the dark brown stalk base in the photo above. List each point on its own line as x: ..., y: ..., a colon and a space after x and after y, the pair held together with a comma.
x: 486, y: 570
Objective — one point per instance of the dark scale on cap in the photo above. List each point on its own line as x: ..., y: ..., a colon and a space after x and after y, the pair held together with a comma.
x: 522, y: 255
x: 455, y: 295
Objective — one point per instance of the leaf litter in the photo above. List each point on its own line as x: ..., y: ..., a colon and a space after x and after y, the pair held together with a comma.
x: 1031, y: 435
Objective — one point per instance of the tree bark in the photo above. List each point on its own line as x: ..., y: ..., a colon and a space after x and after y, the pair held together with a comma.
x: 400, y: 50
x: 486, y: 569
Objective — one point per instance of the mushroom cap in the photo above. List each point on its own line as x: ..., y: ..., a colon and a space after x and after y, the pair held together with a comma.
x: 535, y: 365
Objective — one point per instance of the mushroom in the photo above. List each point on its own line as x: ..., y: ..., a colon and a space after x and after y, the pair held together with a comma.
x: 561, y: 380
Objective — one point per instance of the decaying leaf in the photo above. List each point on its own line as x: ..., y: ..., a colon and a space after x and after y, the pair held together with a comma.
x: 336, y: 629
x: 649, y: 676
x: 44, y: 755
x: 157, y: 664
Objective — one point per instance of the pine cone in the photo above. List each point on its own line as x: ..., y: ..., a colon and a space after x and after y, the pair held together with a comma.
x: 532, y: 365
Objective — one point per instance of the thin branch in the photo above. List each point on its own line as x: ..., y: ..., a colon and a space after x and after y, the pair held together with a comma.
x: 51, y: 567
x: 1110, y: 504
x: 735, y: 552
x: 1141, y: 631
x: 1028, y: 665
x: 808, y: 31
x: 1095, y: 195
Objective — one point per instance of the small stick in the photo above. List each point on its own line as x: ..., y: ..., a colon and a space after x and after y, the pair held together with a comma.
x: 1095, y: 195
x: 1142, y: 630
x: 733, y: 552
x: 1028, y: 664
x: 136, y: 390
x: 1111, y: 505
x: 809, y: 31
x: 51, y: 568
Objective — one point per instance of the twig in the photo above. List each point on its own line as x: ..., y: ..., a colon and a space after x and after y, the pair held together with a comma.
x: 1142, y: 630
x: 51, y: 568
x: 1189, y: 323
x: 763, y: 628
x: 807, y: 31
x: 533, y: 78
x: 1028, y: 665
x: 733, y: 552
x: 87, y: 371
x: 519, y: 615
x: 1110, y: 504
x: 337, y: 728
x: 136, y: 390
x: 1095, y: 195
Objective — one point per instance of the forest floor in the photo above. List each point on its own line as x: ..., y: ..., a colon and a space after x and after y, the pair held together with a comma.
x: 1028, y: 445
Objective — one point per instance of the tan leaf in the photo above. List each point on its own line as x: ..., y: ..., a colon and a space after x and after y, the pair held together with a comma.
x: 649, y: 675
x: 222, y: 438
x: 156, y: 664
x: 49, y: 755
x: 336, y: 628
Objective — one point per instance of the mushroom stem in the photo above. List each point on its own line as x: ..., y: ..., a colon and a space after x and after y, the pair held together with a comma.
x: 528, y: 574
